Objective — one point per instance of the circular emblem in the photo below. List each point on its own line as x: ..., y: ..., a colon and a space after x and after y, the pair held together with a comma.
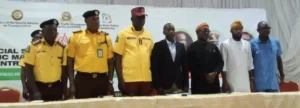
x: 66, y: 16
x: 17, y: 15
x: 106, y: 18
x: 55, y: 22
x: 96, y: 12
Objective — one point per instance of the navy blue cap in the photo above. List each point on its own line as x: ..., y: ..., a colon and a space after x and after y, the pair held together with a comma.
x: 49, y: 22
x: 35, y: 32
x: 91, y: 13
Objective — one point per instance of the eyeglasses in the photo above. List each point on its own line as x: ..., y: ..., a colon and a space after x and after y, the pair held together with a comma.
x: 204, y: 31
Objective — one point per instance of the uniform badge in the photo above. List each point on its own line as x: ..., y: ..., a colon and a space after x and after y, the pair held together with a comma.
x: 27, y: 49
x: 96, y: 12
x: 146, y: 38
x: 55, y: 22
x: 22, y: 56
x: 142, y: 10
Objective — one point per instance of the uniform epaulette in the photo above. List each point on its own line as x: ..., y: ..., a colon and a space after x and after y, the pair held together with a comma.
x: 105, y: 33
x: 36, y: 42
x: 78, y: 31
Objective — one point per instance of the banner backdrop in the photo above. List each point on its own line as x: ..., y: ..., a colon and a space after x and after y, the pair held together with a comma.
x: 19, y: 19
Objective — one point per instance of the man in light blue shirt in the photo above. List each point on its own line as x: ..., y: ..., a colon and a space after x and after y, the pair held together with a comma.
x: 266, y: 52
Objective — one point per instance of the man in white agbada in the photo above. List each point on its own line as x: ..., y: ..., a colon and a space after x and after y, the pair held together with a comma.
x: 237, y: 70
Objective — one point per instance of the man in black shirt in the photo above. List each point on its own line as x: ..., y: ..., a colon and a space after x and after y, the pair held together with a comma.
x: 205, y: 63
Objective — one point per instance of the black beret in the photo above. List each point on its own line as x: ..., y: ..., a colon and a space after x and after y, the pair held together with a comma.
x: 35, y: 32
x: 49, y: 22
x: 91, y: 13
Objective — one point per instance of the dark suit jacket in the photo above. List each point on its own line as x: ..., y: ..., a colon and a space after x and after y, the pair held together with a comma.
x: 165, y: 72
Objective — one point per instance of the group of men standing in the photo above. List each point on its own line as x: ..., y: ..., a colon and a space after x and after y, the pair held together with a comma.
x: 142, y: 66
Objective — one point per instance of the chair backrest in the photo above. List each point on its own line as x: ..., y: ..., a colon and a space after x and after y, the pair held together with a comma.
x: 9, y: 95
x: 289, y: 86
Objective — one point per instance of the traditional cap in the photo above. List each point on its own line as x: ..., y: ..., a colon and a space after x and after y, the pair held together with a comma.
x: 91, y: 13
x: 138, y: 11
x: 36, y: 32
x: 49, y: 22
x: 236, y: 23
x: 201, y: 26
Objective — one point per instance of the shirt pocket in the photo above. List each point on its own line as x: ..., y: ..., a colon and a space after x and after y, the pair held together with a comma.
x: 257, y: 52
x: 41, y: 58
x: 41, y: 54
x: 131, y: 43
x: 274, y: 49
x: 146, y: 43
x: 245, y: 51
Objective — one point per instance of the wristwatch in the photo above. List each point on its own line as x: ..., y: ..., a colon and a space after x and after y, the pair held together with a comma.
x: 111, y: 81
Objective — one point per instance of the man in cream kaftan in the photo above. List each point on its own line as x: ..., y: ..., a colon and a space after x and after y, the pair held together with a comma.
x: 238, y: 63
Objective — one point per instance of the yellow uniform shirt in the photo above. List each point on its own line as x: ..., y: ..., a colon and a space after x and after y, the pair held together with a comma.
x: 90, y: 51
x: 135, y: 49
x: 47, y: 61
x: 21, y: 63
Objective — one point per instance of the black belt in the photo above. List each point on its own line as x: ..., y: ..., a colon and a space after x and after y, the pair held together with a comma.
x: 92, y: 75
x: 49, y: 84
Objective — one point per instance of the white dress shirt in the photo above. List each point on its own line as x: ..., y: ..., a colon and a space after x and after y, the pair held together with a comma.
x: 172, y: 48
x: 237, y: 63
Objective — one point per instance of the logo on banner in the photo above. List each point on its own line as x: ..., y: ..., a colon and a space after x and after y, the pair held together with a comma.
x: 17, y: 14
x: 16, y: 20
x: 66, y: 17
x: 66, y: 21
x: 107, y: 22
x: 106, y: 18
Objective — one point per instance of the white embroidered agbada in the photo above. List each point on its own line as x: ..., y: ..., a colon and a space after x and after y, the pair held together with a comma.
x: 237, y: 58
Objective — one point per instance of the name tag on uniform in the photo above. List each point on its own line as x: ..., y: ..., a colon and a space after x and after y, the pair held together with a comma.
x: 146, y: 38
x: 100, y: 53
x: 130, y: 38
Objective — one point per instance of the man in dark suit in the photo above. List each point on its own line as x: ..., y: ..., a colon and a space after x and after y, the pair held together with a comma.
x: 205, y: 63
x: 169, y: 64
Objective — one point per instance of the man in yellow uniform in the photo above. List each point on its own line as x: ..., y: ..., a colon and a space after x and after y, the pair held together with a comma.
x: 90, y: 54
x: 45, y: 65
x: 133, y: 48
x: 35, y: 35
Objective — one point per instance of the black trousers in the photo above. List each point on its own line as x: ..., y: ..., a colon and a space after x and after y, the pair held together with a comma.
x: 203, y: 87
x: 49, y: 91
x: 90, y: 85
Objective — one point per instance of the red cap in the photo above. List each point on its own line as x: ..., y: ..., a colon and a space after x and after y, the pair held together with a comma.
x: 138, y: 11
